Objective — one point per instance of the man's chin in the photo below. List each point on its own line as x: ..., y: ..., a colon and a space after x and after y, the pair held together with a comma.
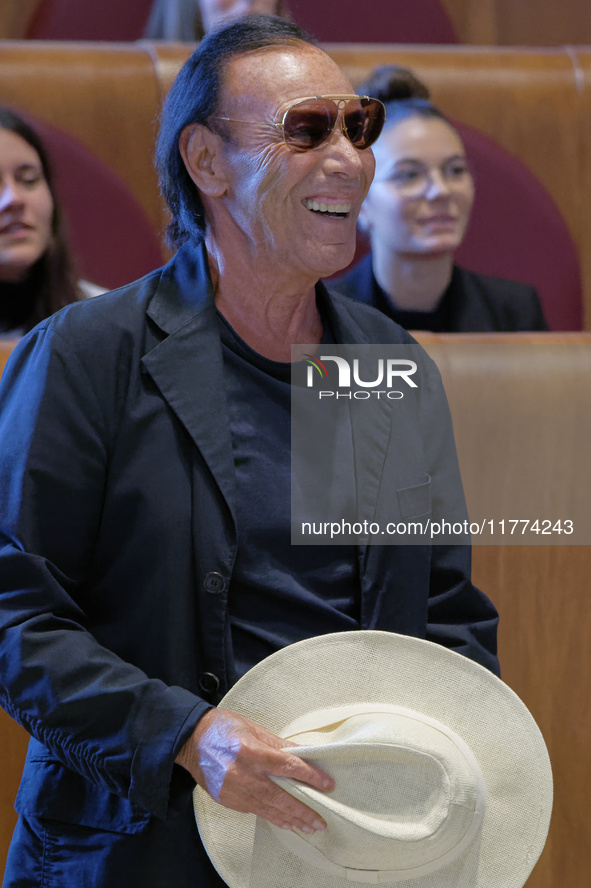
x: 337, y: 259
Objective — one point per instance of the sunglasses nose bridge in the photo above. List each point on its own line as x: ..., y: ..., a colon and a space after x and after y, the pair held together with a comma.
x: 338, y: 123
x: 341, y: 106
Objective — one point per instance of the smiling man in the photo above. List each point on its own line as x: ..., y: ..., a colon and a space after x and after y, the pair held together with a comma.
x: 145, y: 554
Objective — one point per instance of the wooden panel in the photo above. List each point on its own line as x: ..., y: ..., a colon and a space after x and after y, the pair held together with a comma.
x: 15, y: 16
x: 13, y: 748
x: 544, y: 648
x: 522, y: 23
x: 13, y: 739
x: 6, y: 346
x: 541, y: 592
x: 475, y: 21
x: 582, y: 63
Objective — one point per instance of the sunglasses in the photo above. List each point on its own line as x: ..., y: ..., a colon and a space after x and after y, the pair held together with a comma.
x: 309, y: 123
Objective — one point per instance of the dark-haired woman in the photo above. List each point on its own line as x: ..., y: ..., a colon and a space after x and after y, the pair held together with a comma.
x: 416, y: 214
x: 36, y: 269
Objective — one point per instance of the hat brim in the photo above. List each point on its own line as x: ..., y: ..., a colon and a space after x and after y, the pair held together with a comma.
x: 351, y: 668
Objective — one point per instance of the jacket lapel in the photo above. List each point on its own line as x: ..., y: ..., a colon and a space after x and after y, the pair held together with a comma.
x: 370, y: 448
x: 370, y: 437
x: 187, y: 365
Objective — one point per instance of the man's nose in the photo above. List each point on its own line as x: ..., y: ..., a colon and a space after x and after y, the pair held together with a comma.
x: 344, y: 148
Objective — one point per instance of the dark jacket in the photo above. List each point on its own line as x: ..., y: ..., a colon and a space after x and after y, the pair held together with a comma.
x: 472, y: 303
x: 117, y: 542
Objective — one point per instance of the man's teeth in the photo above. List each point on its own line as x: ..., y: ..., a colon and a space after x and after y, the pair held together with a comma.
x: 320, y: 207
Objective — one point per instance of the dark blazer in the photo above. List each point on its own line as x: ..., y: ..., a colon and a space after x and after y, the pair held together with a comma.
x: 472, y: 303
x: 117, y: 543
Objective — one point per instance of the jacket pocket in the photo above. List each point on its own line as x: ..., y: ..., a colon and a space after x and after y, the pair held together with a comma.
x: 415, y: 501
x: 50, y: 790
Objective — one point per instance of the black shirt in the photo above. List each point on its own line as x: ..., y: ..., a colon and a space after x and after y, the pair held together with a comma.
x: 278, y: 591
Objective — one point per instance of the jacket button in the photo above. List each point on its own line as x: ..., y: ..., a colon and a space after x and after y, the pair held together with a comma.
x: 214, y: 582
x: 209, y: 682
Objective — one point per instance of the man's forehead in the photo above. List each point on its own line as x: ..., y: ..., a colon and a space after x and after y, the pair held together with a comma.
x: 278, y: 74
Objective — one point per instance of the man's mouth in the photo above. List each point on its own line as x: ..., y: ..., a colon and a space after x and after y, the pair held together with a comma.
x: 332, y: 210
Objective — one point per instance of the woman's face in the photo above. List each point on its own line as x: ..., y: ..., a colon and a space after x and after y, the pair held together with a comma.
x: 26, y: 207
x: 422, y: 193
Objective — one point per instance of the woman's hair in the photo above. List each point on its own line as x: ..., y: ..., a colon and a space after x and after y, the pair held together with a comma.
x: 194, y: 97
x: 403, y: 94
x: 52, y: 277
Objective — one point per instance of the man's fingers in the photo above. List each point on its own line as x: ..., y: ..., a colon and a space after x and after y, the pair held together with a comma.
x: 269, y: 801
x: 234, y: 759
x: 297, y: 769
x: 292, y: 765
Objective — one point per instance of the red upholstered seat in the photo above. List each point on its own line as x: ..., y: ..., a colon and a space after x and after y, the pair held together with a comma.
x: 117, y: 20
x: 378, y: 21
x: 517, y: 232
x: 110, y: 234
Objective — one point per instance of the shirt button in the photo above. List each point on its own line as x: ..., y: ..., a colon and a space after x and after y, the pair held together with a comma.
x: 214, y: 582
x: 209, y: 682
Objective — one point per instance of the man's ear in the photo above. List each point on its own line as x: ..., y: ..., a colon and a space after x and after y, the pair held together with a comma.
x: 200, y: 150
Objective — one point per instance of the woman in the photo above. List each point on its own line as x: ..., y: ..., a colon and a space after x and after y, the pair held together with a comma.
x: 36, y: 267
x: 415, y: 216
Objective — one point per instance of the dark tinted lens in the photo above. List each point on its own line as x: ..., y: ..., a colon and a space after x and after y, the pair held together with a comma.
x: 309, y: 124
x: 364, y: 119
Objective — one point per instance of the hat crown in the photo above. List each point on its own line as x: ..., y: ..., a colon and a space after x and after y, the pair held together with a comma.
x: 409, y: 794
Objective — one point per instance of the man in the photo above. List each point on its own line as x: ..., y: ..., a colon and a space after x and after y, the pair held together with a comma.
x: 146, y: 557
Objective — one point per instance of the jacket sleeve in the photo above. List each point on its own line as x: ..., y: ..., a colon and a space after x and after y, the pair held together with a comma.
x: 97, y: 714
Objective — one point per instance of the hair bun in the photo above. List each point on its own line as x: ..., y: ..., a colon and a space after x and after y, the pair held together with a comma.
x: 390, y: 83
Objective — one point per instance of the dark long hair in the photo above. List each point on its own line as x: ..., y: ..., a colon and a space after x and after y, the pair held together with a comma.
x: 194, y: 97
x: 51, y: 282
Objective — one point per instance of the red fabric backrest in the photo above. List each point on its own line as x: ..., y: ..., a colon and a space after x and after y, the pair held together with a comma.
x: 375, y: 21
x: 117, y: 20
x: 517, y: 232
x: 378, y: 21
x: 110, y: 234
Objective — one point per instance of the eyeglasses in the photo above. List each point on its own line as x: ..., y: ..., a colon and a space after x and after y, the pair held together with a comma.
x: 308, y: 123
x: 414, y: 179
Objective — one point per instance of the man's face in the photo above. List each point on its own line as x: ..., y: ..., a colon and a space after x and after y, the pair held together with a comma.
x: 268, y: 205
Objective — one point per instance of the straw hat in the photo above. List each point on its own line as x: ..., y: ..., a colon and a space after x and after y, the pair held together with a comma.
x: 442, y: 776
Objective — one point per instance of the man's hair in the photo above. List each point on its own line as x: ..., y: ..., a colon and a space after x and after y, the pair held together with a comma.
x: 194, y: 97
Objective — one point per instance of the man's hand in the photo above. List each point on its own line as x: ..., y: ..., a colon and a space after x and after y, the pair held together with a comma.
x: 232, y: 757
